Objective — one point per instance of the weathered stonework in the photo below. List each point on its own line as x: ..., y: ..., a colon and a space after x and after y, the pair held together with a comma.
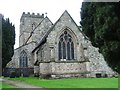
x: 40, y: 39
x: 15, y: 59
x: 27, y: 24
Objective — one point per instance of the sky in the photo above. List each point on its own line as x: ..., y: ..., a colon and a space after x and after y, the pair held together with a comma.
x: 13, y: 10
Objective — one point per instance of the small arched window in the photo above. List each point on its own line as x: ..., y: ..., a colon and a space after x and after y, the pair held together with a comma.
x: 23, y: 59
x: 66, y: 47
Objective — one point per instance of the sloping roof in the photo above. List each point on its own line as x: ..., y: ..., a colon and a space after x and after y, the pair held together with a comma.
x: 32, y: 32
x: 45, y: 36
x: 42, y: 40
x: 36, y: 27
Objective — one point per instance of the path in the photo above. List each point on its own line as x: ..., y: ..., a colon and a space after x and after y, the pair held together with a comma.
x: 21, y: 85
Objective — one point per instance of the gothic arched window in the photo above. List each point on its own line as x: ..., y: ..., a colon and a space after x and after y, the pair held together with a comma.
x: 66, y: 47
x: 23, y: 59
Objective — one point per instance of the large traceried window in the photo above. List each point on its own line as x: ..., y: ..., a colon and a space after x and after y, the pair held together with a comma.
x: 23, y: 59
x: 66, y: 47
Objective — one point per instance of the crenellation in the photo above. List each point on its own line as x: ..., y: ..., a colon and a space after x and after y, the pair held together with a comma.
x: 28, y: 13
x: 42, y: 15
x: 33, y: 15
x: 23, y: 12
x: 38, y: 14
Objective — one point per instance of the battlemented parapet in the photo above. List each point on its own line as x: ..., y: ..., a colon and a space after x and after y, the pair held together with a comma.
x: 32, y: 15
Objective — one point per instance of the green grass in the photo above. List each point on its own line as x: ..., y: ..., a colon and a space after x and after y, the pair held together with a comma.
x: 71, y: 83
x: 5, y: 85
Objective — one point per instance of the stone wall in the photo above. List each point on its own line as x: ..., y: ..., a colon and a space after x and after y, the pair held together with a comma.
x: 63, y: 69
x: 14, y: 63
x: 44, y: 68
x: 41, y: 30
x: 43, y: 53
x: 97, y: 63
x: 68, y: 67
x: 64, y: 22
x: 36, y: 70
x: 83, y: 47
x: 27, y: 23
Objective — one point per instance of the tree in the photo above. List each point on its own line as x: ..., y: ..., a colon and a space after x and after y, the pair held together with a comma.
x: 101, y: 23
x: 8, y: 41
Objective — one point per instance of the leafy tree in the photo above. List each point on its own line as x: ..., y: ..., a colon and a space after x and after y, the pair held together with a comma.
x: 101, y: 23
x: 0, y: 44
x: 87, y: 17
x: 8, y: 41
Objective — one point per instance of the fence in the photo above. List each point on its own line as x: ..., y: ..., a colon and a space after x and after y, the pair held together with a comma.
x: 16, y: 72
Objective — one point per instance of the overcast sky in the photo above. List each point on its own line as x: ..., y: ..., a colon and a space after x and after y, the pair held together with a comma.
x: 54, y: 8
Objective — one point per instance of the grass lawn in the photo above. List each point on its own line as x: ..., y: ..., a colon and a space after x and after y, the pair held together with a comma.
x: 71, y: 83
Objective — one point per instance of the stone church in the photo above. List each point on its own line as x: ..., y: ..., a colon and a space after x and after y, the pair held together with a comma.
x: 56, y: 50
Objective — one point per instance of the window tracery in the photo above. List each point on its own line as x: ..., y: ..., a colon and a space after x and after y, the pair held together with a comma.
x: 66, y: 46
x: 23, y: 59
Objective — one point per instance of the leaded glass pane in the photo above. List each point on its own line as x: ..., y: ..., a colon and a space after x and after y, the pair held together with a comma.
x: 72, y: 50
x: 65, y: 37
x: 64, y: 51
x: 21, y: 64
x: 60, y: 53
x: 25, y: 61
x: 70, y: 40
x: 68, y: 51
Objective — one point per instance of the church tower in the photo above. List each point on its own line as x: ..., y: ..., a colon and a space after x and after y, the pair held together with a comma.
x: 27, y: 24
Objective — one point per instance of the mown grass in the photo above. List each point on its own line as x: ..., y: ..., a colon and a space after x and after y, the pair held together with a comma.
x: 71, y: 83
